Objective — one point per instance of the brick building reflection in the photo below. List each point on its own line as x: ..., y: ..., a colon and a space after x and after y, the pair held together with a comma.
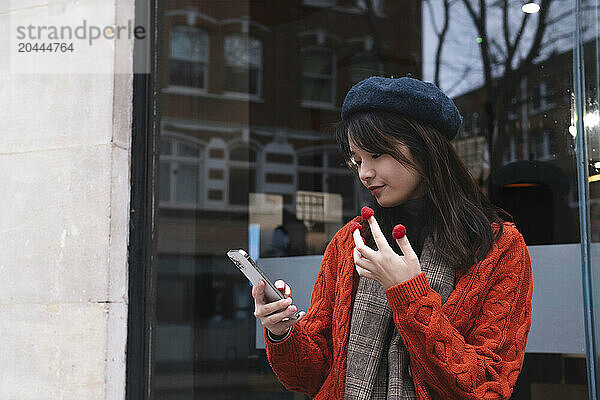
x: 248, y: 92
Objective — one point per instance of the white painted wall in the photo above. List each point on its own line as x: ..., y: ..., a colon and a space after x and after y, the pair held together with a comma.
x: 64, y: 214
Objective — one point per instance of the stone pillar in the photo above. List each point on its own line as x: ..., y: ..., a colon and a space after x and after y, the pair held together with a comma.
x: 64, y: 213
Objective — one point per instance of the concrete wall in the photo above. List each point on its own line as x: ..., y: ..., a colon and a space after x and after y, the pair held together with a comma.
x: 64, y: 214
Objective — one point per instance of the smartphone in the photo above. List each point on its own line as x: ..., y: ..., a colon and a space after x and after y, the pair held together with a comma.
x: 248, y: 267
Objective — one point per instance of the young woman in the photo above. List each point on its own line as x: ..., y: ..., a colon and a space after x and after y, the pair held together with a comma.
x: 444, y: 315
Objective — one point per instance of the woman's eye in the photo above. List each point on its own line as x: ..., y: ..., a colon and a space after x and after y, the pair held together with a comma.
x: 374, y: 156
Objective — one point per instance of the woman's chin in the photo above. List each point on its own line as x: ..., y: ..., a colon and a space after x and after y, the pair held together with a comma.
x: 384, y: 203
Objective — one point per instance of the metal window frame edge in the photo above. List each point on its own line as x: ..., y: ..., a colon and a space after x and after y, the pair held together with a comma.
x: 584, y: 212
x: 145, y: 147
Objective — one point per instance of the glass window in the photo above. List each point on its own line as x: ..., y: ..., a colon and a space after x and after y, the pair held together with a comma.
x: 364, y: 66
x: 242, y: 175
x: 265, y: 175
x: 189, y: 57
x: 180, y: 173
x: 536, y: 97
x: 319, y: 3
x: 376, y: 5
x: 318, y: 82
x: 243, y: 64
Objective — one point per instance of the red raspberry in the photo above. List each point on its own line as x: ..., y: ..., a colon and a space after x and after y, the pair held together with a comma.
x: 399, y: 231
x: 354, y: 226
x: 367, y: 212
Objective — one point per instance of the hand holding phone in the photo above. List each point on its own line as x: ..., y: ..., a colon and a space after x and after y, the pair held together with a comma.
x: 272, y: 302
x: 276, y: 316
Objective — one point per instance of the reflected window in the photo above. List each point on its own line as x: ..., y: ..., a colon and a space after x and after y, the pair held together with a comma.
x: 536, y: 100
x: 189, y: 57
x: 326, y: 171
x: 548, y: 93
x: 243, y: 64
x: 542, y: 97
x: 510, y: 154
x: 313, y: 160
x: 319, y: 3
x: 377, y: 5
x: 542, y: 146
x: 242, y: 174
x: 318, y: 78
x: 476, y: 128
x: 513, y: 111
x: 364, y: 66
x: 180, y: 172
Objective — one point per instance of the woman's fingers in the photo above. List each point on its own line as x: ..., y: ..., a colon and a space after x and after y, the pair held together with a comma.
x: 399, y: 233
x: 363, y: 271
x: 281, y: 327
x: 360, y: 259
x: 407, y: 249
x: 358, y: 240
x: 377, y: 234
x: 271, y: 308
x: 363, y: 266
x: 258, y: 292
x: 276, y: 318
x: 366, y: 252
x: 283, y: 288
x: 359, y: 243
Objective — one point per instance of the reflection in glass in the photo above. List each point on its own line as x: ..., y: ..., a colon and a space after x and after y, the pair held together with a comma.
x: 317, y: 75
x: 590, y: 44
x: 246, y: 159
x: 243, y: 61
x: 189, y: 55
x: 364, y: 66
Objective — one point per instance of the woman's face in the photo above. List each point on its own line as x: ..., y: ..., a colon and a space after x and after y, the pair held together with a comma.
x: 393, y: 182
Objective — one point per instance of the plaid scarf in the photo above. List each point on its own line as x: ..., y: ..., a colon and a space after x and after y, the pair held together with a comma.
x: 378, y: 364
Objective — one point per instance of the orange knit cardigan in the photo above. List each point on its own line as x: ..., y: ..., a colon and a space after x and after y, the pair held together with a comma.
x: 472, y: 347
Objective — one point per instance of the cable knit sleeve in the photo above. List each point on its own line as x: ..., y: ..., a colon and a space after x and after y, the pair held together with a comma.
x: 303, y: 359
x: 485, y: 362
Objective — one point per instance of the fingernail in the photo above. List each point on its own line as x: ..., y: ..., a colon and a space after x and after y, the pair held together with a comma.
x: 293, y: 308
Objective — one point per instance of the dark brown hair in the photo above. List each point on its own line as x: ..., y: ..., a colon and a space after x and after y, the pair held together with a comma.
x: 459, y: 214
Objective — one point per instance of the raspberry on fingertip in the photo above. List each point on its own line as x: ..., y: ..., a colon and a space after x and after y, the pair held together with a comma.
x: 399, y: 231
x: 367, y: 212
x: 354, y: 226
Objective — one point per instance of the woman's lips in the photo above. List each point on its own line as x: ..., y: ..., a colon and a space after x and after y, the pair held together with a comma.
x: 377, y: 189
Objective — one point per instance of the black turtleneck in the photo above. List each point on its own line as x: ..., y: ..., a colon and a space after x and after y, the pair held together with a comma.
x: 412, y: 214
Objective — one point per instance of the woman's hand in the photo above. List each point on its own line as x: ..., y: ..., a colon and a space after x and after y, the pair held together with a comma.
x: 384, y: 265
x: 275, y: 316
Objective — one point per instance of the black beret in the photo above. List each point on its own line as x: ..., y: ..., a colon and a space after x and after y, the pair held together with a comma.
x: 410, y: 97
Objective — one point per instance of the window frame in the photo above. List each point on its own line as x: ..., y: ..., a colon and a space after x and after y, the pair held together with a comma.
x: 319, y: 3
x: 364, y: 55
x: 174, y: 160
x: 319, y: 104
x: 251, y: 166
x: 325, y: 170
x: 185, y: 88
x: 260, y: 68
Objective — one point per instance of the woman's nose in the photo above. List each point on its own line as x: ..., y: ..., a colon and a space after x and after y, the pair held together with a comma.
x: 366, y: 173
